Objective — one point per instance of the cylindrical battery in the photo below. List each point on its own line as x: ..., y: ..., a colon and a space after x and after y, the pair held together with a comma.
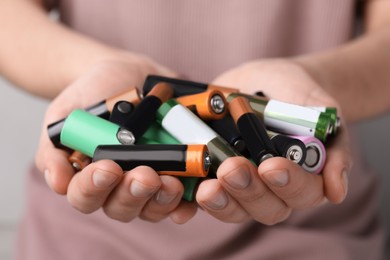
x: 252, y: 130
x: 187, y: 128
x: 121, y: 112
x: 176, y: 160
x: 183, y: 87
x: 332, y: 112
x: 101, y: 109
x: 208, y: 105
x: 227, y: 129
x: 157, y: 135
x: 78, y: 160
x: 289, y: 147
x: 145, y: 113
x: 83, y: 132
x: 291, y: 119
x: 315, y: 154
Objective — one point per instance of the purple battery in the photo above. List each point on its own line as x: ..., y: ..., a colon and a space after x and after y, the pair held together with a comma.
x: 315, y: 154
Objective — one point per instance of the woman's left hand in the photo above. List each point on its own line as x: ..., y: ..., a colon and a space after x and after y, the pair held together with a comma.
x: 269, y: 193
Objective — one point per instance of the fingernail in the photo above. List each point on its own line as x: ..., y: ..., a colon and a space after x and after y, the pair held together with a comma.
x: 277, y: 178
x: 164, y: 197
x: 140, y: 190
x: 219, y: 201
x: 48, y: 178
x: 103, y: 179
x: 238, y: 178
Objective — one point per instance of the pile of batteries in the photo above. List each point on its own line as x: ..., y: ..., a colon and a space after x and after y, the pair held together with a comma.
x: 187, y: 129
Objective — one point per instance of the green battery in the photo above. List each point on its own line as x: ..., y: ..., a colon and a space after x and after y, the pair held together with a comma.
x: 159, y: 134
x: 83, y: 132
x: 334, y: 119
x: 289, y: 118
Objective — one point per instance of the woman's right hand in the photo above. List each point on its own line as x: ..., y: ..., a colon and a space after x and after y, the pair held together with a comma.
x: 140, y: 192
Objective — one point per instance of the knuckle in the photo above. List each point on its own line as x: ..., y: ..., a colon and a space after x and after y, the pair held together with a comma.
x: 79, y: 206
x: 278, y: 216
x: 249, y: 197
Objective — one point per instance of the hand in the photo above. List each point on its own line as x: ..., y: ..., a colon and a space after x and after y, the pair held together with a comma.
x: 123, y: 196
x: 269, y: 194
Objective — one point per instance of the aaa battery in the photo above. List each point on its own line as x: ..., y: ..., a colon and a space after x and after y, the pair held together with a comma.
x: 208, y: 105
x: 252, y: 130
x: 177, y: 160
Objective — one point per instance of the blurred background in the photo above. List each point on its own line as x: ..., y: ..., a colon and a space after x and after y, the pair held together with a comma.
x: 21, y: 123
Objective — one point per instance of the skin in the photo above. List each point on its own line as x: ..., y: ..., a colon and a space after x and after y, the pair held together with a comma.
x: 90, y: 71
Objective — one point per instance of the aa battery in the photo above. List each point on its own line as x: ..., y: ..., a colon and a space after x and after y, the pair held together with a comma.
x: 208, y: 105
x: 227, y: 129
x: 252, y: 130
x: 332, y: 112
x: 287, y: 118
x: 121, y: 112
x: 289, y: 147
x: 183, y: 87
x: 101, y: 109
x: 187, y: 128
x: 84, y: 132
x: 78, y: 160
x: 177, y: 160
x: 145, y: 113
x: 157, y: 135
x: 315, y: 154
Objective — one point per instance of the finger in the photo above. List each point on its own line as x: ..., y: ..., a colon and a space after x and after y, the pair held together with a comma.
x: 131, y: 195
x: 165, y: 200
x: 51, y: 161
x: 240, y: 179
x: 184, y: 212
x: 337, y: 167
x: 291, y: 183
x: 212, y: 197
x: 54, y: 163
x: 89, y: 189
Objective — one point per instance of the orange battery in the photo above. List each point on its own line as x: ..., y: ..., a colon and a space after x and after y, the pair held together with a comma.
x: 79, y: 160
x: 132, y: 96
x: 225, y: 90
x: 168, y: 159
x: 209, y: 105
x: 252, y: 130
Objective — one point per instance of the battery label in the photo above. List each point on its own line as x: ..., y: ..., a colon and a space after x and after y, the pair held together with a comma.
x: 288, y: 118
x: 186, y: 127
